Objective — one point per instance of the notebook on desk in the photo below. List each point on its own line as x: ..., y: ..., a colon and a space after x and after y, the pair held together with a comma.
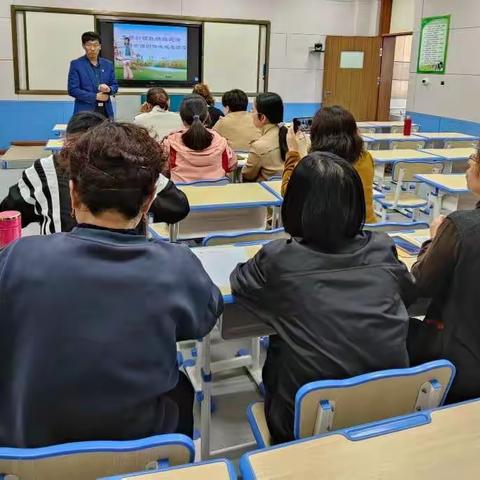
x: 414, y: 239
x: 406, y: 245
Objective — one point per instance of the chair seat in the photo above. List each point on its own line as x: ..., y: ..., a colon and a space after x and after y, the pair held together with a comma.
x: 406, y: 200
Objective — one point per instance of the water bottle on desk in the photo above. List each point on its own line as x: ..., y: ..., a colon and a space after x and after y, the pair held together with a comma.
x: 10, y: 227
x: 407, y: 126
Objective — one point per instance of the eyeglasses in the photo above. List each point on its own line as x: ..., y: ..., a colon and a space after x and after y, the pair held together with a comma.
x: 91, y: 46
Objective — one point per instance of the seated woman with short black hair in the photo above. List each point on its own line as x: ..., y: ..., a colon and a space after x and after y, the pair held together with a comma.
x: 334, y: 294
x: 90, y: 318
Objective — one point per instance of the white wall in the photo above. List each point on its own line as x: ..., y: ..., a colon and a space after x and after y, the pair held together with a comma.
x: 403, y: 16
x: 458, y: 98
x: 296, y: 25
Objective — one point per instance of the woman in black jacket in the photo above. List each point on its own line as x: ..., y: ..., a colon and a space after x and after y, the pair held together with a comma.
x: 446, y: 272
x: 334, y: 294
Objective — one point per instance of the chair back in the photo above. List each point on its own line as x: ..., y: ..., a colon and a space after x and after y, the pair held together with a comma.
x: 205, y: 183
x: 395, y: 226
x: 334, y: 404
x: 406, y: 171
x: 90, y: 460
x: 364, y: 130
x: 407, y: 144
x: 242, y: 238
x: 461, y: 144
x: 399, y: 128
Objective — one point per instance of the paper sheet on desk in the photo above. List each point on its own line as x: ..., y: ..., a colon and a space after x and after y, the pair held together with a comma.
x: 219, y: 262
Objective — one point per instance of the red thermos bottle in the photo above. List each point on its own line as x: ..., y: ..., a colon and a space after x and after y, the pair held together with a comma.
x: 407, y: 126
x: 10, y: 227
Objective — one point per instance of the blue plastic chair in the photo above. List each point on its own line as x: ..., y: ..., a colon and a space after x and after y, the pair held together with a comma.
x: 329, y: 405
x: 395, y: 226
x: 206, y: 183
x: 215, y: 469
x: 244, y: 238
x: 90, y: 460
x: 305, y: 457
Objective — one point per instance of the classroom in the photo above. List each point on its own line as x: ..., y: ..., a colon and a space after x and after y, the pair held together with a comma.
x: 239, y: 239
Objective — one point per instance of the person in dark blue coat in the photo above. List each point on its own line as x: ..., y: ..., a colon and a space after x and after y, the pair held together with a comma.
x: 91, y: 79
x: 89, y: 319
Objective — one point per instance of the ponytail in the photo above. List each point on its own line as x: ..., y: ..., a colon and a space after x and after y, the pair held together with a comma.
x: 271, y: 105
x: 282, y: 141
x: 194, y: 112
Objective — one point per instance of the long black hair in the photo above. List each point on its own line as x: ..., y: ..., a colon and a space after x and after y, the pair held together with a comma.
x: 324, y: 203
x: 194, y: 112
x: 334, y: 130
x: 271, y: 105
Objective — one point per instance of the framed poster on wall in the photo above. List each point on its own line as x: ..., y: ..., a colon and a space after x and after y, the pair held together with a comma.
x: 432, y: 54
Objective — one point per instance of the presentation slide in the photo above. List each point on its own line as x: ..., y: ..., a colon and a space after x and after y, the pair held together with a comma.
x: 150, y: 52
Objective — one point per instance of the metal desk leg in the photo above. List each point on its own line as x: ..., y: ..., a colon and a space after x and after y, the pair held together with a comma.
x: 255, y: 370
x: 173, y: 231
x: 205, y: 409
x: 379, y: 174
x: 437, y: 203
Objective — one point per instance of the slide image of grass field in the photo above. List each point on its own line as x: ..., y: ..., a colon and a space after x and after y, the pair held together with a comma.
x: 154, y: 73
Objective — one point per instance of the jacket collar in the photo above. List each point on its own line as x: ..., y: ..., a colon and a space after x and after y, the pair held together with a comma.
x: 266, y: 128
x: 107, y: 236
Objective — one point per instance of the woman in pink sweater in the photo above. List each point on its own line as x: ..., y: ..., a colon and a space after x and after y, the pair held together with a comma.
x: 196, y: 152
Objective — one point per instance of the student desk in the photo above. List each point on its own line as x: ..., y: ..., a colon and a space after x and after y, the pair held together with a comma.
x: 219, y: 261
x: 275, y: 186
x: 367, y: 140
x: 434, y: 138
x: 440, y: 444
x: 21, y: 156
x: 416, y: 238
x: 214, y: 470
x: 385, y: 126
x: 448, y: 188
x: 459, y: 156
x: 54, y: 145
x: 379, y: 139
x: 227, y: 198
x: 60, y: 129
x: 384, y: 157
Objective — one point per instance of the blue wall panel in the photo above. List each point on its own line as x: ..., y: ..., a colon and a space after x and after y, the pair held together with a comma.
x: 33, y: 120
x: 433, y: 123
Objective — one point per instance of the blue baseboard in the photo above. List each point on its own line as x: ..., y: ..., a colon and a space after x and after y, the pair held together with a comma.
x: 33, y: 120
x: 434, y: 123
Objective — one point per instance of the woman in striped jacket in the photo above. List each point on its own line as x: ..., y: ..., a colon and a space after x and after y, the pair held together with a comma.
x: 42, y: 194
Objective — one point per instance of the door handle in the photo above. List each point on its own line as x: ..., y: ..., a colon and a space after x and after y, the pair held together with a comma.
x: 328, y: 92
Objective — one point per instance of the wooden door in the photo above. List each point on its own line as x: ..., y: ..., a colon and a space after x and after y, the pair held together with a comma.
x: 350, y: 80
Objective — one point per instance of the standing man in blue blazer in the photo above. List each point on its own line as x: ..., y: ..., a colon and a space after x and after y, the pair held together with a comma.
x: 91, y: 79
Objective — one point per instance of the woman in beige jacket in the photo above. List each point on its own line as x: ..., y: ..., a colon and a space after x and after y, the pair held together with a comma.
x: 237, y: 124
x: 267, y: 154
